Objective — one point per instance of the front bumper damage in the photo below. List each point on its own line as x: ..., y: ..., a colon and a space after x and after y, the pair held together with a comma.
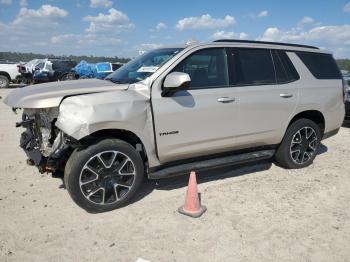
x: 46, y: 146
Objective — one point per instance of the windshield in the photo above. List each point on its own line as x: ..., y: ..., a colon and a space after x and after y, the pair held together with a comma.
x: 143, y: 66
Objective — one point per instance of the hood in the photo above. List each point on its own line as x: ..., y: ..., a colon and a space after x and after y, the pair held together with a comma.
x: 51, y: 94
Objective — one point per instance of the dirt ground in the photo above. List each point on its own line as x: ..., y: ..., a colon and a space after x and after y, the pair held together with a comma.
x: 258, y: 212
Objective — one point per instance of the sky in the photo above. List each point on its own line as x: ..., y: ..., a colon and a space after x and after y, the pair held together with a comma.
x: 124, y: 27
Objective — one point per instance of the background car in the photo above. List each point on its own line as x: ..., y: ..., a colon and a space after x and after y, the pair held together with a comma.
x: 26, y: 70
x: 347, y: 107
x: 53, y: 69
x: 8, y: 73
x: 90, y: 70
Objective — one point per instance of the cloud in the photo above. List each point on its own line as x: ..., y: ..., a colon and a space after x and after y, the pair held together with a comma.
x: 346, y: 8
x: 84, y: 40
x: 44, y: 13
x: 337, y: 34
x: 58, y: 39
x: 31, y: 28
x: 142, y: 48
x: 332, y: 37
x: 243, y: 35
x: 229, y: 35
x: 23, y: 3
x: 100, y: 3
x: 204, y: 22
x: 306, y: 20
x: 149, y: 46
x: 114, y: 21
x: 161, y: 26
x: 263, y: 13
x: 5, y: 2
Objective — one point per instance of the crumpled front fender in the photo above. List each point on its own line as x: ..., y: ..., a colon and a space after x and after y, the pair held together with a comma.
x: 80, y: 116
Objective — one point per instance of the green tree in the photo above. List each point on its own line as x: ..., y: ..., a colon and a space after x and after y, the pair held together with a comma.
x: 25, y: 57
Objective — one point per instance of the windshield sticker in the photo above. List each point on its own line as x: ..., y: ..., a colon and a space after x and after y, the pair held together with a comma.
x: 148, y: 69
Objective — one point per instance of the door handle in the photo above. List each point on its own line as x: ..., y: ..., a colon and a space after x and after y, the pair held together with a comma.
x: 226, y: 99
x: 286, y: 95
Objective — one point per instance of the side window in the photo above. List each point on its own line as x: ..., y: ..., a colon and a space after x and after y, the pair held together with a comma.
x: 56, y: 65
x: 253, y: 67
x: 40, y: 65
x: 207, y: 68
x: 322, y: 66
x: 285, y: 70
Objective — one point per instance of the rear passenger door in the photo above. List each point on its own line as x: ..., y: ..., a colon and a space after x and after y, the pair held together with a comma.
x: 267, y: 92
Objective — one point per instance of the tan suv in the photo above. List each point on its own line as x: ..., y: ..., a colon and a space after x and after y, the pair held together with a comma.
x: 183, y: 108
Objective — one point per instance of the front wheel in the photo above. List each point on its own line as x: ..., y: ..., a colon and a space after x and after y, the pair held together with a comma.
x: 4, y: 81
x: 104, y: 176
x: 300, y: 144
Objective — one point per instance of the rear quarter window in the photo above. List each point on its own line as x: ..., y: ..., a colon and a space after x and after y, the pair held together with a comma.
x: 322, y: 66
x: 285, y: 70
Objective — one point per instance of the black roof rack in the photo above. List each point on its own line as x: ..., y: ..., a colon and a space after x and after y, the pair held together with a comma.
x: 264, y: 42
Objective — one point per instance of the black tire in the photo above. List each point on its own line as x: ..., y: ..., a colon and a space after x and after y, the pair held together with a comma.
x: 119, y: 186
x: 4, y: 81
x: 67, y: 77
x: 288, y: 152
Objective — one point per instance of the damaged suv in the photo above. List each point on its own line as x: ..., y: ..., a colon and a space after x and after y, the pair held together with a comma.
x: 178, y: 109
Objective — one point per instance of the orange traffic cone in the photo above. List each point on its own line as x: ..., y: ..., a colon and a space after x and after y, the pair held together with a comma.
x: 192, y: 206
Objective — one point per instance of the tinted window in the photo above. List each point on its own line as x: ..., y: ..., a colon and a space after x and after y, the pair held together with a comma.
x: 285, y: 70
x: 207, y: 68
x: 56, y: 65
x: 253, y: 67
x: 40, y: 65
x: 116, y: 66
x: 322, y: 66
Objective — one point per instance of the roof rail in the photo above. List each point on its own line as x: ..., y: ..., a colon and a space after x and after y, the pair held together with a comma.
x: 264, y: 42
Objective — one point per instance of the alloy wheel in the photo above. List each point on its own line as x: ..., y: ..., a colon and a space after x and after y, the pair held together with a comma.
x: 303, y: 145
x: 107, y: 177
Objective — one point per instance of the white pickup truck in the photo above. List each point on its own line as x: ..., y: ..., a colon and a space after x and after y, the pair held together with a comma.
x: 8, y: 73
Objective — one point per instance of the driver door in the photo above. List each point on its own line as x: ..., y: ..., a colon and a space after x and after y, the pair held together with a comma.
x: 201, y: 120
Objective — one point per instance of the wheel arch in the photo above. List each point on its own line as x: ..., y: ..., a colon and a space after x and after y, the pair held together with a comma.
x: 313, y: 115
x: 3, y: 73
x: 125, y: 135
x: 62, y: 75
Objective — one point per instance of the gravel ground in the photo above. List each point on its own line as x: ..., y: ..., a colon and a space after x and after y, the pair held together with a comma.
x: 258, y: 212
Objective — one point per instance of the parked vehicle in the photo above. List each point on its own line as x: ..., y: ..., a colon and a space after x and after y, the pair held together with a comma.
x: 346, y: 77
x: 177, y: 109
x: 8, y: 73
x: 347, y: 107
x: 88, y: 70
x: 26, y: 70
x: 53, y: 69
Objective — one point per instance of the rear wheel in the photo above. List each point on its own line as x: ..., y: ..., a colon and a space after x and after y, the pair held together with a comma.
x: 299, y: 145
x: 4, y: 81
x: 104, y: 176
x: 66, y: 77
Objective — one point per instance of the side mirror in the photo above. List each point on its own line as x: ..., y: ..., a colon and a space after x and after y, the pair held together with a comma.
x: 174, y: 82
